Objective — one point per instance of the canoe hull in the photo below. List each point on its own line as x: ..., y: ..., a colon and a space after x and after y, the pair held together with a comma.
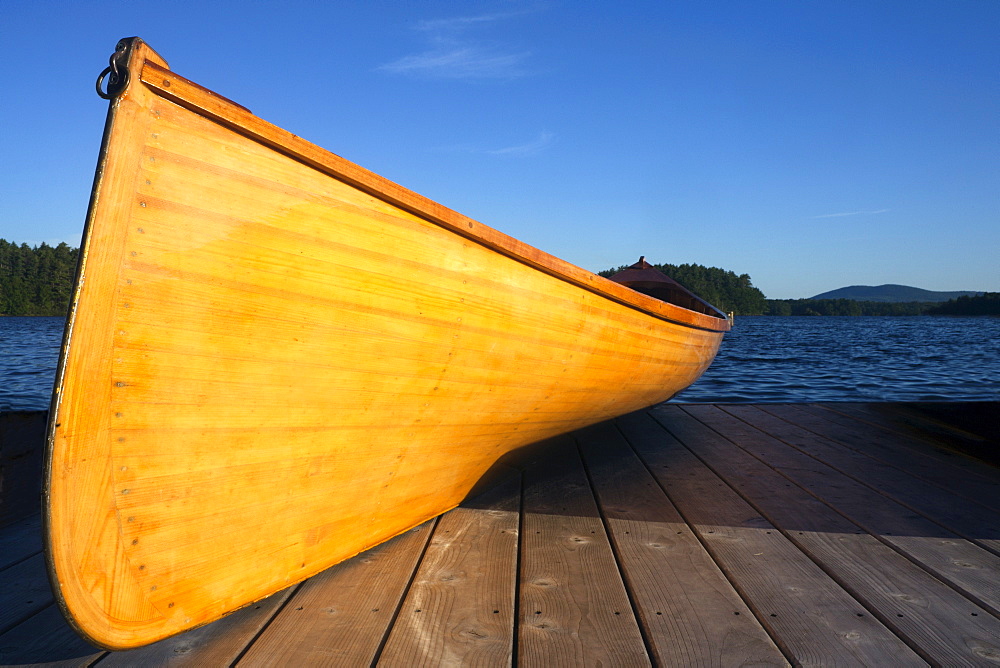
x: 269, y: 369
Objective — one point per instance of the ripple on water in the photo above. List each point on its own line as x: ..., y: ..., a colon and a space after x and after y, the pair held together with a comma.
x: 763, y: 360
x: 29, y: 354
x: 788, y: 359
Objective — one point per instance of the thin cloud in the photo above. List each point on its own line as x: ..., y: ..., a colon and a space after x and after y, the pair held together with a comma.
x: 532, y: 147
x: 852, y: 213
x: 545, y: 138
x: 460, y: 22
x: 453, y: 54
x: 467, y: 62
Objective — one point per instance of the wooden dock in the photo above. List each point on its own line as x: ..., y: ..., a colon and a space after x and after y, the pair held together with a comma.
x: 822, y: 534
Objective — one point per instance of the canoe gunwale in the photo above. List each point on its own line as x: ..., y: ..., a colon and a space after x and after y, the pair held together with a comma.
x: 171, y: 86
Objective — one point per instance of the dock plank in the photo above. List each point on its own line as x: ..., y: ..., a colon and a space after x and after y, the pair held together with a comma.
x: 923, y: 458
x: 939, y: 504
x: 929, y: 615
x: 969, y: 428
x: 459, y: 610
x: 676, y: 518
x: 217, y: 644
x: 46, y: 638
x: 20, y: 540
x: 803, y: 608
x: 968, y: 567
x: 343, y: 615
x: 574, y: 609
x: 690, y: 612
x: 26, y: 590
x: 22, y: 437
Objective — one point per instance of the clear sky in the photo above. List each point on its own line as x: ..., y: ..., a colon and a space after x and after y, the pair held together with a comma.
x: 811, y: 144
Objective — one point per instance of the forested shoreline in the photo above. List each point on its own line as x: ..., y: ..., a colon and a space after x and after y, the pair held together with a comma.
x: 730, y: 292
x: 987, y: 303
x: 36, y: 280
x: 843, y: 307
x: 721, y: 288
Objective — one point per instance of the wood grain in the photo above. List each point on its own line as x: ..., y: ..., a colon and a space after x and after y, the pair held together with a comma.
x: 222, y: 111
x: 218, y: 644
x: 921, y: 456
x: 574, y: 609
x: 342, y: 616
x: 331, y: 619
x: 811, y: 615
x: 947, y: 628
x: 690, y: 612
x: 935, y: 502
x: 273, y: 352
x: 459, y: 609
x: 936, y: 548
x: 46, y: 638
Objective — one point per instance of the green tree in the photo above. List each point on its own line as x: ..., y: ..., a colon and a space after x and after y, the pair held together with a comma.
x: 987, y: 303
x: 36, y: 281
x: 843, y: 307
x: 723, y: 289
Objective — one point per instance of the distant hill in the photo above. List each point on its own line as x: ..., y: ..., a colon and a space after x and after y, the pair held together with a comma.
x: 892, y: 294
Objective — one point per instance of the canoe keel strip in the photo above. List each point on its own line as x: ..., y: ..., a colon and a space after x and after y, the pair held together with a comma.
x: 276, y: 359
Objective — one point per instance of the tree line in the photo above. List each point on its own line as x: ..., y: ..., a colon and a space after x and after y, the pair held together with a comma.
x: 843, y: 307
x: 987, y: 303
x: 36, y: 280
x: 728, y: 291
x: 39, y: 281
x: 725, y: 290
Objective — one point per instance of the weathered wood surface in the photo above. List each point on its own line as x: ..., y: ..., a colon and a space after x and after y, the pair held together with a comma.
x: 20, y: 464
x: 680, y: 535
x: 573, y: 604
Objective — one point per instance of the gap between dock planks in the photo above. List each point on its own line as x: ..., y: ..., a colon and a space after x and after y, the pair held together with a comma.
x: 690, y: 612
x: 710, y: 535
x: 964, y: 564
x: 459, y: 609
x: 574, y: 608
x: 878, y: 433
x: 813, y: 618
x: 949, y: 429
x: 24, y: 584
x: 342, y: 616
x: 934, y: 501
x: 25, y: 592
x: 216, y: 644
x: 944, y: 626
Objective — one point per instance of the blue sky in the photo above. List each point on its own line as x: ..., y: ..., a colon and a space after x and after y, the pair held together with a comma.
x: 810, y: 144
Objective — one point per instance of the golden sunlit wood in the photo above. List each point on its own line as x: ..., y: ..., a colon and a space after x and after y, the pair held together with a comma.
x: 276, y: 359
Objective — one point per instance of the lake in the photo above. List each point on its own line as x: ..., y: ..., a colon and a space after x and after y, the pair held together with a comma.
x: 763, y: 360
x: 828, y: 358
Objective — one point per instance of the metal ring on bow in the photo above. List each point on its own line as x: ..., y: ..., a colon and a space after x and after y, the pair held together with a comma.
x: 119, y: 76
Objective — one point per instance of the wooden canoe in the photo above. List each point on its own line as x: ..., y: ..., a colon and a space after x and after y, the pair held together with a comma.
x: 276, y: 359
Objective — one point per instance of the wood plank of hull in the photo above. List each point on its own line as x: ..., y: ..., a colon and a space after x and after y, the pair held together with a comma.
x: 276, y: 360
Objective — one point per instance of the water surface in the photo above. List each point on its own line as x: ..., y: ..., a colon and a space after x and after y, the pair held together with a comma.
x: 799, y: 359
x: 764, y: 359
x: 29, y: 354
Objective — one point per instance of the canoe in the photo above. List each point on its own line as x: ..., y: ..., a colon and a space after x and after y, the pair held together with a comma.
x: 276, y: 359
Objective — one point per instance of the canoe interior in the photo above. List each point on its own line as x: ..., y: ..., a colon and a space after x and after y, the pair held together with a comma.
x: 276, y: 359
